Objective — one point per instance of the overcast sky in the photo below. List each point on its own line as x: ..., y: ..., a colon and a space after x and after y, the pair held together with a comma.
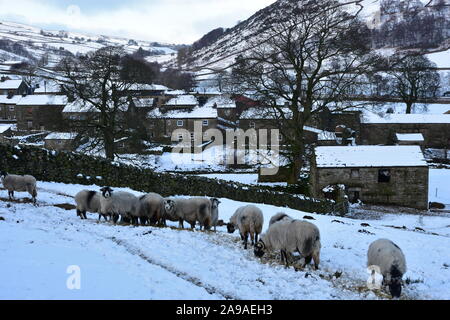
x: 172, y: 21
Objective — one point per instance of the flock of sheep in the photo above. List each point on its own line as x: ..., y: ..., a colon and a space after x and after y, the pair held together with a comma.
x: 284, y: 234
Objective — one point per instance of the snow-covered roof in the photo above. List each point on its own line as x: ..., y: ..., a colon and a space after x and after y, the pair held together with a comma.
x: 61, y: 136
x: 48, y: 87
x: 409, y: 137
x: 41, y: 100
x: 175, y: 92
x: 12, y: 62
x: 321, y: 134
x: 196, y: 113
x: 184, y: 100
x: 5, y: 127
x: 10, y: 84
x: 369, y: 118
x: 207, y: 91
x: 143, y: 102
x: 79, y: 106
x: 264, y: 114
x: 149, y: 87
x: 369, y: 156
x: 4, y: 99
x: 221, y: 102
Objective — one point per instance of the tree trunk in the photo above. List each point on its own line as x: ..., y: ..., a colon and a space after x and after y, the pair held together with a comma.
x: 296, y: 167
x: 409, y: 107
x: 109, y: 146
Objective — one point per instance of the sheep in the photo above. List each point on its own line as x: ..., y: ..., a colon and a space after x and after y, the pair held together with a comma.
x: 214, y: 212
x: 169, y: 211
x: 249, y: 220
x: 189, y: 210
x: 88, y: 201
x: 290, y: 236
x: 151, y: 208
x: 119, y: 203
x: 281, y: 216
x: 12, y: 182
x: 390, y: 259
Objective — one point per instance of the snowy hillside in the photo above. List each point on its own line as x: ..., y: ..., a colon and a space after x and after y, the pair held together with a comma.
x: 222, y: 52
x: 39, y: 42
x: 38, y: 244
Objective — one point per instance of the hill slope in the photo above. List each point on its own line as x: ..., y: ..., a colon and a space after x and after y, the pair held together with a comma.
x: 381, y: 16
x: 24, y: 43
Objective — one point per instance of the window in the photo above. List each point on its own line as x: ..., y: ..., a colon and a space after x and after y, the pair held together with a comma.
x: 355, y: 173
x: 384, y: 176
x: 180, y: 123
x: 205, y: 123
x: 30, y: 124
x: 252, y: 125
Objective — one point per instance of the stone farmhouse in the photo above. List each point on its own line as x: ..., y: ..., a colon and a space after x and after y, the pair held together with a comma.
x: 40, y: 112
x: 434, y: 128
x: 389, y: 175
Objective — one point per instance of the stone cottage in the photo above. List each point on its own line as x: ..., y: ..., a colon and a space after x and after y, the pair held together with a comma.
x: 40, y: 112
x: 13, y: 87
x: 161, y: 124
x: 387, y: 175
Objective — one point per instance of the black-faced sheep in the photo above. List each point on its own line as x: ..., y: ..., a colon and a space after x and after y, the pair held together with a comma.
x: 88, y: 201
x: 392, y: 263
x: 151, y: 209
x: 214, y: 212
x: 249, y: 220
x: 281, y: 216
x: 120, y: 203
x: 292, y: 236
x: 190, y: 210
x: 12, y: 182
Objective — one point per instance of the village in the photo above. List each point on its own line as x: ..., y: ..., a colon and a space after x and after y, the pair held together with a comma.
x: 379, y: 158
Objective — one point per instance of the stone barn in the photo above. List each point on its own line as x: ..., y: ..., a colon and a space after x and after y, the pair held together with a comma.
x: 60, y: 141
x: 387, y: 175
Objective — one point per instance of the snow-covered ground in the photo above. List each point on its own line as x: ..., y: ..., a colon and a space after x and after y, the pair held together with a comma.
x: 439, y: 187
x: 245, y: 178
x: 441, y: 58
x: 38, y: 244
x: 212, y: 159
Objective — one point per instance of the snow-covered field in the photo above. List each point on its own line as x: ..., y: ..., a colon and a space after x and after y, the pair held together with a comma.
x: 245, y: 178
x: 38, y: 244
x: 439, y: 190
x: 212, y: 159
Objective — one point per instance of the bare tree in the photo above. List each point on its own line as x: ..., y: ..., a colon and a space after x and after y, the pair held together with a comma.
x: 311, y: 61
x: 95, y: 82
x: 414, y: 78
